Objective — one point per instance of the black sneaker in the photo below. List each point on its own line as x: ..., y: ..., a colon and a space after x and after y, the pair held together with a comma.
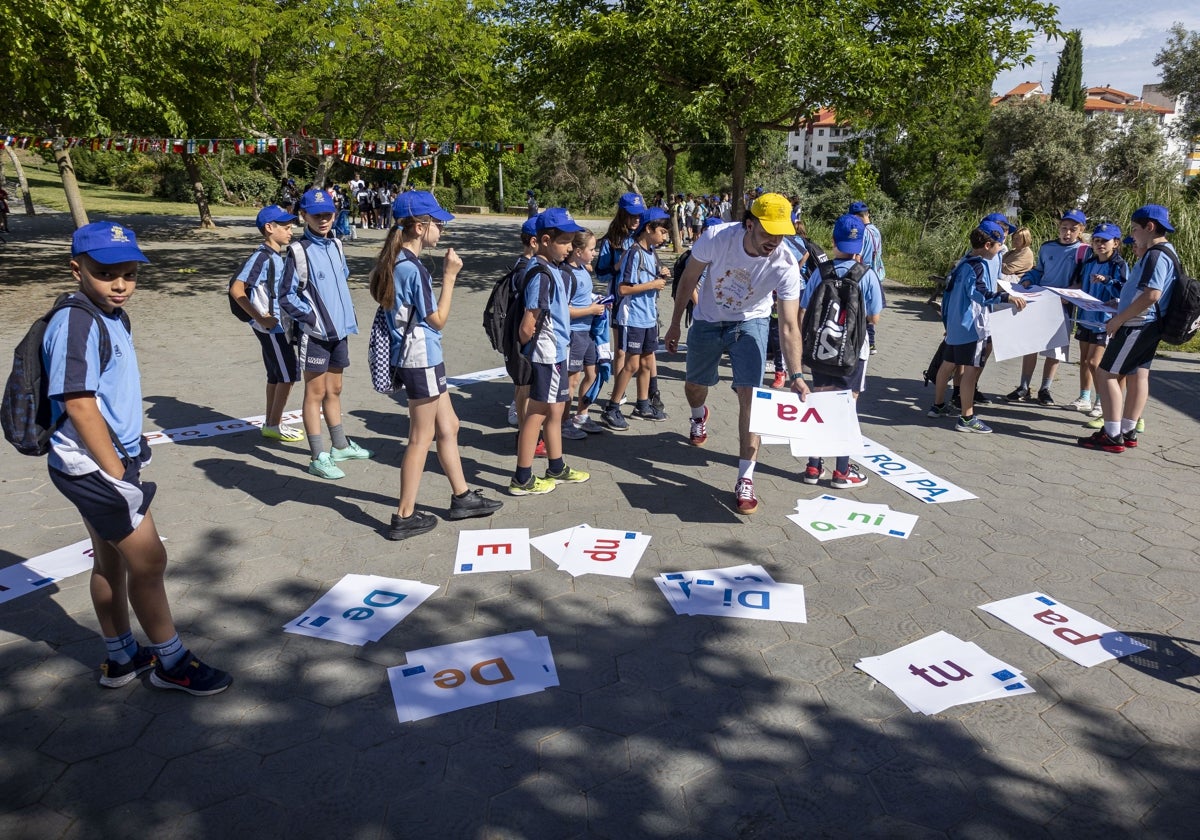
x: 656, y: 415
x: 404, y: 527
x: 1130, y: 439
x: 1019, y: 395
x: 473, y: 504
x: 115, y: 675
x: 1044, y: 397
x: 1101, y: 440
x: 983, y: 399
x: 956, y: 399
x: 656, y: 401
x: 191, y: 675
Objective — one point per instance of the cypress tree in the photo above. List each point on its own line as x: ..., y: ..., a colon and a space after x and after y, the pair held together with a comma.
x: 1067, y: 86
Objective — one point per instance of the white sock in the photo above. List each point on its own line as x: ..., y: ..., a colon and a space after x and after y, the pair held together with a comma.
x: 1112, y: 428
x: 745, y: 469
x: 1127, y: 425
x: 698, y: 413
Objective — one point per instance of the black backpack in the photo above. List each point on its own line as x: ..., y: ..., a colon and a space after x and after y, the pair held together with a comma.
x: 25, y: 411
x: 835, y: 325
x: 1181, y: 320
x: 502, y: 316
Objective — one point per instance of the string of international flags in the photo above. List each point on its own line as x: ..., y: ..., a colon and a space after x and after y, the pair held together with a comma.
x: 369, y: 154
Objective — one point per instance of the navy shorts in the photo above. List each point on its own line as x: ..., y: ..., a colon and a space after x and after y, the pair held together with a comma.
x: 1091, y: 336
x: 113, y: 508
x: 551, y: 383
x: 420, y: 383
x: 856, y: 381
x: 1132, y: 348
x: 318, y: 355
x: 279, y: 357
x: 582, y: 351
x: 641, y: 341
x: 971, y: 354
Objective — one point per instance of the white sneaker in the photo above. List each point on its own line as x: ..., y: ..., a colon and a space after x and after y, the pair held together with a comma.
x: 1097, y: 411
x: 512, y: 413
x: 1082, y: 404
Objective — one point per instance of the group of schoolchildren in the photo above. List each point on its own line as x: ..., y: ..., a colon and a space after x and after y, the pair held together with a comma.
x: 1116, y: 345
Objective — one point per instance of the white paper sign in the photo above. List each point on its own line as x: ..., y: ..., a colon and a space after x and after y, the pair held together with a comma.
x: 1076, y: 636
x: 746, y: 599
x: 1042, y: 325
x: 600, y: 551
x: 446, y: 678
x: 910, y: 477
x: 41, y: 571
x: 554, y: 544
x: 360, y: 609
x: 677, y: 586
x: 492, y: 550
x: 941, y: 671
x: 824, y: 423
x: 865, y: 518
x: 1083, y: 300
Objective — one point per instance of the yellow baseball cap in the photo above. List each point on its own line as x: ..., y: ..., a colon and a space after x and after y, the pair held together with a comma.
x: 774, y: 213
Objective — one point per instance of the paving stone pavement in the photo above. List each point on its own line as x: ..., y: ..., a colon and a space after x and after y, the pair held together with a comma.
x: 664, y: 725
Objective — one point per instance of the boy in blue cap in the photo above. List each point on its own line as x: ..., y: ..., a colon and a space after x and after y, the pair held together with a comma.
x: 1103, y: 273
x: 1058, y: 263
x: 255, y: 288
x: 545, y: 335
x: 96, y: 455
x: 871, y: 255
x: 1135, y: 331
x: 315, y: 294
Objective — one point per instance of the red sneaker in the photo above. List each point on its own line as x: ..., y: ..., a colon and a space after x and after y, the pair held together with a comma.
x: 777, y: 382
x: 699, y: 431
x: 1101, y: 440
x: 743, y: 492
x: 540, y: 451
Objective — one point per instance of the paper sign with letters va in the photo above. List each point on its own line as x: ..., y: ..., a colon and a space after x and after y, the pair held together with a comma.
x: 824, y: 423
x: 492, y: 550
x: 360, y: 609
x: 450, y: 677
x: 1076, y: 636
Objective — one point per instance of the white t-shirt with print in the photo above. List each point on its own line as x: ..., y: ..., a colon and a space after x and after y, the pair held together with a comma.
x: 737, y: 286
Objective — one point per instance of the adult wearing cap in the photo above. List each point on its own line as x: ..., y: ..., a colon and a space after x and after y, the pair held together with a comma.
x: 1058, y: 263
x: 314, y: 292
x: 1135, y: 331
x: 872, y: 253
x: 745, y: 265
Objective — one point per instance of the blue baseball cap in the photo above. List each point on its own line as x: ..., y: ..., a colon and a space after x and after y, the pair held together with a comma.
x: 272, y: 214
x: 316, y: 201
x: 848, y: 233
x: 713, y: 221
x: 1074, y: 216
x: 529, y: 226
x: 1154, y: 213
x: 632, y: 204
x: 1106, y: 230
x: 652, y: 215
x: 1128, y: 240
x: 108, y: 243
x: 993, y: 230
x: 1002, y: 220
x: 558, y: 218
x: 857, y: 207
x: 419, y: 203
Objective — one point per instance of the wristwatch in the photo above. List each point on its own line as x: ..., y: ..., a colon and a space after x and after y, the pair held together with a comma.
x: 795, y: 376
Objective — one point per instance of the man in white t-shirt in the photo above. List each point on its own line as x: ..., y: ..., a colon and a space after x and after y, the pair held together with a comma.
x: 743, y: 265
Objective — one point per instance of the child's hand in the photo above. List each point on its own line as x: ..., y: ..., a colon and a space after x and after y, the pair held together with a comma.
x: 452, y: 264
x: 1018, y: 302
x: 268, y: 322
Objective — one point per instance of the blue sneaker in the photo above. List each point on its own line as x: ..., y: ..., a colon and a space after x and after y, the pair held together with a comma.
x: 972, y: 424
x: 351, y: 452
x: 191, y: 675
x: 115, y: 675
x: 614, y: 419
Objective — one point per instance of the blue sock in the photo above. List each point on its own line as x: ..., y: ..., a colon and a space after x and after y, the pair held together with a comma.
x: 814, y: 462
x: 555, y: 465
x: 121, y: 649
x: 843, y: 464
x: 523, y: 474
x: 170, y: 653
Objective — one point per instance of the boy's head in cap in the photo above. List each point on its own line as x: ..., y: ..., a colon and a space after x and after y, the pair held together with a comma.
x: 1070, y: 226
x: 104, y: 259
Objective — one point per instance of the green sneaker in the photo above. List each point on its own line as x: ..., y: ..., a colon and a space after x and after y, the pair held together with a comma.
x: 325, y: 468
x: 568, y: 476
x: 1095, y: 423
x: 352, y: 452
x: 1141, y: 425
x: 533, y: 487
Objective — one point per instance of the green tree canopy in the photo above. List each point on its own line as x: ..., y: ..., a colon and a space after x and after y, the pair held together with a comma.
x: 1180, y: 63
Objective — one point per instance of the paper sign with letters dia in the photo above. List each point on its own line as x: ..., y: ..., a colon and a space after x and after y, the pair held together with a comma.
x: 1076, y: 636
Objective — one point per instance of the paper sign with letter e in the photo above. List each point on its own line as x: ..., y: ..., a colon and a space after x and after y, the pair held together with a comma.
x: 941, y: 671
x: 1076, y: 636
x: 823, y: 423
x: 450, y: 677
x: 1041, y: 325
x: 360, y: 609
x: 600, y: 551
x: 761, y: 601
x: 492, y: 550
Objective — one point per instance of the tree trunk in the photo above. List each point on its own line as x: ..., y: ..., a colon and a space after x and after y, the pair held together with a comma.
x: 671, y: 154
x: 66, y: 170
x: 21, y: 180
x: 433, y: 177
x: 322, y: 171
x: 737, y: 134
x: 193, y: 173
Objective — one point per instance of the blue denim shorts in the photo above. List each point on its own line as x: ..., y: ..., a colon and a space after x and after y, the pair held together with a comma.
x: 746, y: 342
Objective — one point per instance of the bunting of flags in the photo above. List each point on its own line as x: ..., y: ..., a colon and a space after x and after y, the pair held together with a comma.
x: 366, y: 153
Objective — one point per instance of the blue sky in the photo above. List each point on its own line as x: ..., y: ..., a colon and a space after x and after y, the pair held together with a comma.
x: 1120, y: 40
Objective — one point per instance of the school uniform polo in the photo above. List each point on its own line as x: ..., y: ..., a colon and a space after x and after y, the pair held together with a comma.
x: 638, y: 266
x: 414, y: 304
x: 545, y: 292
x: 1055, y: 267
x: 323, y: 309
x: 1103, y: 281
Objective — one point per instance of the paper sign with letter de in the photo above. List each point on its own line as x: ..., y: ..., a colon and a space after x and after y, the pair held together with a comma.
x: 450, y: 677
x: 492, y: 550
x: 1078, y: 637
x: 824, y: 423
x: 360, y: 609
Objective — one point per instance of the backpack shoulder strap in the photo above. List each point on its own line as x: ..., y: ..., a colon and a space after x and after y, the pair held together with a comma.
x: 855, y: 273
